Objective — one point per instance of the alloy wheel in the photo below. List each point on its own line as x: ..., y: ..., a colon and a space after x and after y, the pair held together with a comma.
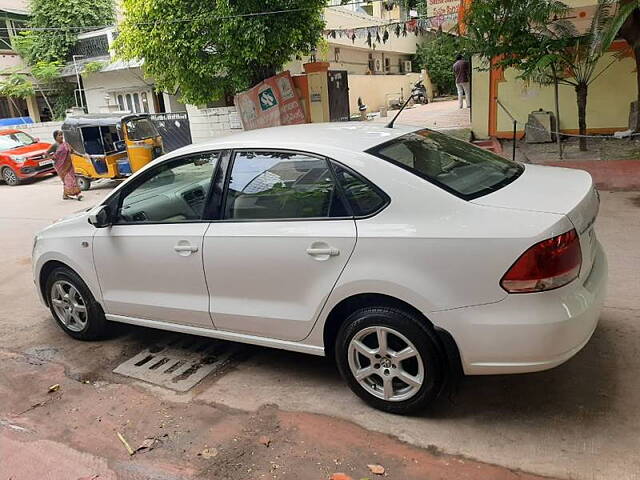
x: 386, y: 363
x: 69, y: 305
x: 9, y: 176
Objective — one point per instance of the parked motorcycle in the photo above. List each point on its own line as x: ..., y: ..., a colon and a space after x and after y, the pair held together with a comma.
x: 419, y: 93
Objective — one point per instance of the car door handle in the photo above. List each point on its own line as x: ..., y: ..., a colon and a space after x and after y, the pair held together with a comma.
x: 185, y: 248
x: 332, y: 252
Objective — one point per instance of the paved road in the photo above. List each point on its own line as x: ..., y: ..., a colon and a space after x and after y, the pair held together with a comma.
x: 577, y: 421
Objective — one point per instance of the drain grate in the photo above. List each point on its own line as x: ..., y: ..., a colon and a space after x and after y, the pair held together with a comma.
x: 178, y: 362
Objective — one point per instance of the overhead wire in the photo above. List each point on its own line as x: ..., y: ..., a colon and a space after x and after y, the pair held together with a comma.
x: 177, y: 20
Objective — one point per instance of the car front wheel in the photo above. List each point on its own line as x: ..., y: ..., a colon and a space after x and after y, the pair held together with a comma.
x: 10, y: 177
x: 73, y: 306
x: 390, y: 359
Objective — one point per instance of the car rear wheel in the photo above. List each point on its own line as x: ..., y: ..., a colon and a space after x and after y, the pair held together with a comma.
x: 390, y: 359
x: 84, y: 183
x: 73, y: 306
x: 10, y: 177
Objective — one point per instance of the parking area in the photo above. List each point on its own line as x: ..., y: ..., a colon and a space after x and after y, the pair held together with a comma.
x: 578, y: 421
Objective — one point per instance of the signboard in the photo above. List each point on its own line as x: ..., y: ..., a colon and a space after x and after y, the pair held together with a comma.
x: 443, y: 13
x: 271, y: 103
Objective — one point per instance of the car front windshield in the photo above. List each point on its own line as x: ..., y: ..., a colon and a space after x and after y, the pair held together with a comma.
x: 15, y: 140
x: 140, y: 128
x: 457, y: 166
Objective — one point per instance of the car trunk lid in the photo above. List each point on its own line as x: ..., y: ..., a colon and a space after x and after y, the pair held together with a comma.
x: 556, y: 190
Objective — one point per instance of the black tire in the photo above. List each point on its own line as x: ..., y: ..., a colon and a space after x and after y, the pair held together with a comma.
x: 95, y: 323
x: 414, y: 329
x: 84, y: 183
x: 10, y: 177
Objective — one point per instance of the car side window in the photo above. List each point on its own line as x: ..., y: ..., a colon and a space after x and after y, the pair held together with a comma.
x: 175, y: 191
x: 364, y: 199
x: 281, y: 185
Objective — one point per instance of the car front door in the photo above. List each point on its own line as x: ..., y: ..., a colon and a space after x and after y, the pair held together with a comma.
x: 149, y: 262
x: 283, y: 237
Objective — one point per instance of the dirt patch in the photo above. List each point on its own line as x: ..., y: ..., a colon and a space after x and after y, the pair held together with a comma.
x: 635, y: 201
x: 23, y: 261
x: 193, y: 440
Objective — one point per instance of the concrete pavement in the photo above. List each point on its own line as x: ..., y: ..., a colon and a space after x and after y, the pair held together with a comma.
x: 577, y: 421
x: 440, y: 115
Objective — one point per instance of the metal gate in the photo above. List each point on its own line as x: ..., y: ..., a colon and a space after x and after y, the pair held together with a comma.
x: 174, y: 128
x: 338, y: 83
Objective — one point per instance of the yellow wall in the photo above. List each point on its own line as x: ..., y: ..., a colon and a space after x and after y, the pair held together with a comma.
x: 607, y: 104
x: 480, y: 103
x: 376, y: 89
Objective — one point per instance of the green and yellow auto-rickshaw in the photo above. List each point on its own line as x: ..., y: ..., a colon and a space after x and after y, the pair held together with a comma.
x: 111, y: 145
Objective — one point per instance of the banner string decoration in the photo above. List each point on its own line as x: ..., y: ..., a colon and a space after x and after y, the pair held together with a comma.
x: 380, y: 33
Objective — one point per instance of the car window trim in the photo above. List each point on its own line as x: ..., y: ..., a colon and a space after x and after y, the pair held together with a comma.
x: 330, y: 161
x: 362, y: 178
x: 341, y: 192
x: 119, y: 197
x: 215, y: 198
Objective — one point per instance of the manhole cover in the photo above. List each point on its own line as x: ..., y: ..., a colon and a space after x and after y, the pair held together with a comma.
x: 178, y: 363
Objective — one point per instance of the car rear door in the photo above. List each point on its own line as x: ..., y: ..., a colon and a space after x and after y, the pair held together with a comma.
x: 283, y: 237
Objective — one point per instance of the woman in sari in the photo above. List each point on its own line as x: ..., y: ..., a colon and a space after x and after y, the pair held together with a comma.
x: 61, y: 152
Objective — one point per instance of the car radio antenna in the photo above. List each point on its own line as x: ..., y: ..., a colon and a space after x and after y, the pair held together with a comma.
x: 390, y: 124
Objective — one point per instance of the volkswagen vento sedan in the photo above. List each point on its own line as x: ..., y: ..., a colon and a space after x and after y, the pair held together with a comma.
x: 404, y: 253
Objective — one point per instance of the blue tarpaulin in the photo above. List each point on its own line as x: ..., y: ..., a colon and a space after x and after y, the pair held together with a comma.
x: 17, y: 121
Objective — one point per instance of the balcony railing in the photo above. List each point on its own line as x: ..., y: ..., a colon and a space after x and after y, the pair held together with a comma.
x: 91, y: 47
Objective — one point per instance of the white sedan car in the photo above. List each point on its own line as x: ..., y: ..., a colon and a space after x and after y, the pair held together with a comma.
x: 404, y: 253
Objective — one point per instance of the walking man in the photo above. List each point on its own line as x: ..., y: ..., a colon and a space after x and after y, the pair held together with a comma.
x: 461, y: 72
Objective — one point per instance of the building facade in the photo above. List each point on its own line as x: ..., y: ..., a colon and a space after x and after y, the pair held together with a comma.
x: 13, y: 17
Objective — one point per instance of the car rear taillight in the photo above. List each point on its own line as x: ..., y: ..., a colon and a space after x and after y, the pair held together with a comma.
x: 549, y: 264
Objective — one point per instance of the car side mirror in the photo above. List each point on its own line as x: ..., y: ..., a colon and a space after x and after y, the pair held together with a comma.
x: 37, y: 139
x: 100, y: 217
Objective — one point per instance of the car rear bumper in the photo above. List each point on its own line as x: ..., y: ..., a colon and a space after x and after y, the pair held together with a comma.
x: 528, y: 332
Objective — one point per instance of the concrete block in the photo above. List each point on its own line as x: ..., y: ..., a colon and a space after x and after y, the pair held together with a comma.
x: 539, y: 127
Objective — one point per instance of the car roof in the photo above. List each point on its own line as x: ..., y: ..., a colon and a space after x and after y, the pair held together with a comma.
x: 359, y: 136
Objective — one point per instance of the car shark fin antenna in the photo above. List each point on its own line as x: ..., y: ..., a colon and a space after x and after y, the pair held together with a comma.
x: 390, y: 124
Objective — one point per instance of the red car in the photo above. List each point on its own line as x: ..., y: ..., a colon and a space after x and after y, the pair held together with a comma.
x: 22, y: 157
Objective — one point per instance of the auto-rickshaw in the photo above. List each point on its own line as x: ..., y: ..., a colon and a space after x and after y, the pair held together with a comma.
x: 111, y: 145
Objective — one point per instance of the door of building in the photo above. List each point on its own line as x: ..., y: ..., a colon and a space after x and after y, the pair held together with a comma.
x: 338, y: 83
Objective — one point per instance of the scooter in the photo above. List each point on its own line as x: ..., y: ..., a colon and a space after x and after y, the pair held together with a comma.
x: 419, y: 93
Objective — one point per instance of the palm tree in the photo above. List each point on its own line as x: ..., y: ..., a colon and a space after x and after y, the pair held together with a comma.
x: 574, y: 58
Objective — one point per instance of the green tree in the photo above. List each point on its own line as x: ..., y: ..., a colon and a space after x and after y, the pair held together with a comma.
x: 16, y: 85
x: 533, y: 36
x: 436, y: 55
x: 207, y: 50
x: 63, y: 18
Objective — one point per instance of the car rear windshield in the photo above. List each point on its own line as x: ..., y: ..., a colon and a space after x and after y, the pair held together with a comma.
x: 457, y: 166
x: 141, y: 128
